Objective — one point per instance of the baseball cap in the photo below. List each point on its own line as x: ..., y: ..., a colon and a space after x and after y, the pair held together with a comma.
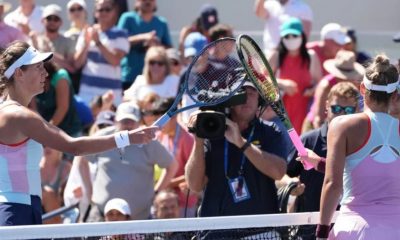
x: 82, y: 3
x: 127, y: 110
x: 52, y: 10
x: 335, y: 32
x: 172, y: 53
x: 105, y: 117
x: 31, y: 56
x: 6, y: 6
x: 208, y: 16
x: 291, y: 26
x: 118, y: 204
x: 195, y: 40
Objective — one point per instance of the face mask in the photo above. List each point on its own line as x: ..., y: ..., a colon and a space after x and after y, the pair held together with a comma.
x: 292, y: 43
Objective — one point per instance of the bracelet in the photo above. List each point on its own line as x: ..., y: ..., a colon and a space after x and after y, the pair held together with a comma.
x: 245, y: 146
x: 122, y: 139
x: 322, y: 231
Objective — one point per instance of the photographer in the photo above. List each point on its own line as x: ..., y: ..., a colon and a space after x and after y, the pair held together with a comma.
x: 237, y: 171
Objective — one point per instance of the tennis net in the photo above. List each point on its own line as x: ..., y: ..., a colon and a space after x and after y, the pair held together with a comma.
x: 273, y: 226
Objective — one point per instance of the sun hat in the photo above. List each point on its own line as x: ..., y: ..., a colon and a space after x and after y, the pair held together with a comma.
x: 344, y: 66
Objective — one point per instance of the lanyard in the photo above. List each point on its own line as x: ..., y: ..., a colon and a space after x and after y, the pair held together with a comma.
x: 243, y: 160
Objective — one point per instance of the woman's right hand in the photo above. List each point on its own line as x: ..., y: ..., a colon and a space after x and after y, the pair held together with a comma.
x: 142, y: 135
x: 311, y: 157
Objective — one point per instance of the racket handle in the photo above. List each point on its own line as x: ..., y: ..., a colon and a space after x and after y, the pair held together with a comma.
x: 299, y: 147
x: 162, y: 120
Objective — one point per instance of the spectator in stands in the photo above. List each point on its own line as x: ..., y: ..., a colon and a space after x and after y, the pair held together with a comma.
x: 166, y: 205
x: 333, y: 38
x: 56, y: 103
x: 127, y: 173
x: 117, y: 209
x: 343, y: 99
x: 104, y: 102
x: 103, y: 119
x: 148, y: 108
x: 77, y: 14
x: 174, y: 61
x: 52, y: 40
x: 363, y: 162
x: 145, y: 29
x: 100, y: 50
x: 343, y: 68
x: 179, y: 143
x: 54, y: 173
x: 9, y: 33
x: 156, y: 77
x: 298, y: 70
x: 27, y: 17
x: 238, y: 171
x: 361, y: 57
x: 275, y: 12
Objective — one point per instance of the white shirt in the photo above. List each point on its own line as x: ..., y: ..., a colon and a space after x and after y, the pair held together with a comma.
x: 278, y: 14
x: 34, y: 20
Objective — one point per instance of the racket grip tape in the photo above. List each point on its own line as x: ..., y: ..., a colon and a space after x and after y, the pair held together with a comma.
x: 162, y: 120
x: 299, y: 147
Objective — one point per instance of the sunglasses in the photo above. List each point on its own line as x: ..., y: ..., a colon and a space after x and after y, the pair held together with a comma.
x: 76, y: 9
x: 154, y: 62
x: 174, y: 62
x: 291, y: 36
x: 53, y: 19
x: 104, y: 9
x: 337, y: 109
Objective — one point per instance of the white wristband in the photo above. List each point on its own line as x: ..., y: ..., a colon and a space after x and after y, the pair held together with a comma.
x: 122, y: 139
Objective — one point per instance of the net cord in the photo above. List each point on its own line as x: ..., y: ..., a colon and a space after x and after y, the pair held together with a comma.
x: 156, y: 226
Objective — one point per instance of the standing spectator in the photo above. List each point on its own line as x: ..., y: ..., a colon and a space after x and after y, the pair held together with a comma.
x: 99, y: 50
x: 361, y: 57
x: 333, y: 38
x: 156, y: 77
x: 127, y: 173
x: 54, y: 173
x: 145, y: 29
x: 52, y: 40
x: 275, y: 12
x: 298, y: 70
x: 343, y: 68
x: 179, y: 143
x: 56, y: 103
x: 9, y: 34
x: 342, y: 100
x: 363, y: 163
x: 77, y: 14
x: 27, y: 17
x: 238, y: 171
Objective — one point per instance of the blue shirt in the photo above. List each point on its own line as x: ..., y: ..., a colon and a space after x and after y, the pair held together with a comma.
x: 218, y: 199
x: 133, y: 63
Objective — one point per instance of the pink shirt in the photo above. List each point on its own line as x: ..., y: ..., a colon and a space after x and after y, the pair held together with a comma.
x: 9, y: 34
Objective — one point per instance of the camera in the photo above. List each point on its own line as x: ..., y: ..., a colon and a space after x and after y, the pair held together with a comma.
x: 210, y: 122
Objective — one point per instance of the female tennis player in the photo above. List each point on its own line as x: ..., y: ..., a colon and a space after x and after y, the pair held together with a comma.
x: 363, y: 164
x: 23, y: 132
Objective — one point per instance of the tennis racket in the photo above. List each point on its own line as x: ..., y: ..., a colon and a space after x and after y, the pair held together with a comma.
x: 260, y: 73
x: 214, y: 75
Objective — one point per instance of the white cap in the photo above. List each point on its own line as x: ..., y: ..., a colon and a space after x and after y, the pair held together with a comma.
x: 79, y: 2
x: 335, y: 32
x: 52, y: 10
x: 127, y: 110
x: 118, y: 204
x: 31, y: 56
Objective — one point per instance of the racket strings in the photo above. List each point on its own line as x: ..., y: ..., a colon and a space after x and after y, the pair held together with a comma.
x: 216, y: 73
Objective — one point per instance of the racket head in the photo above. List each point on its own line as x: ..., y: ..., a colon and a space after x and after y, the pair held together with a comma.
x: 215, y: 73
x: 258, y: 68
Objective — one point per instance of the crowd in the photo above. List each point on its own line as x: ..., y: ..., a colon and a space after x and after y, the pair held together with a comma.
x: 116, y: 70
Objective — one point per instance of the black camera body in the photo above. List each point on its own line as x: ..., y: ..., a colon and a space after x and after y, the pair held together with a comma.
x: 211, y: 122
